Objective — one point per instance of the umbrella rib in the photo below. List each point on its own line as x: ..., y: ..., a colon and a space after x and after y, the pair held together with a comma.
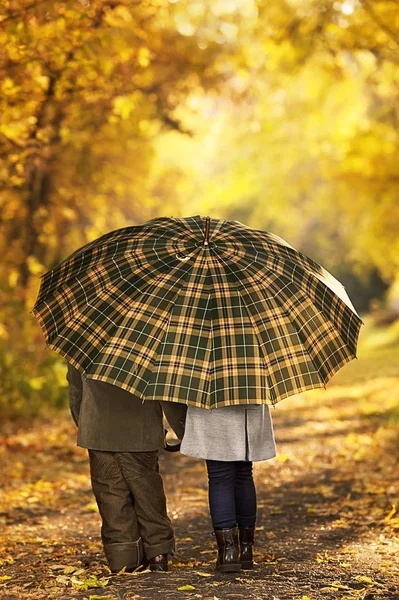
x: 293, y: 256
x: 256, y: 331
x: 303, y: 351
x: 298, y: 331
x: 89, y: 298
x: 104, y: 262
x: 260, y: 343
x: 199, y: 335
x: 128, y: 233
x: 155, y: 361
x: 86, y: 275
x: 314, y: 280
x: 283, y: 276
x: 151, y: 284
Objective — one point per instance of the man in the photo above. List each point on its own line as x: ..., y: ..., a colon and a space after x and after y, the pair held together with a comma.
x: 123, y: 435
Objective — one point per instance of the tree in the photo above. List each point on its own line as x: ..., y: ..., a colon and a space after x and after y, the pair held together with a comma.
x: 87, y: 86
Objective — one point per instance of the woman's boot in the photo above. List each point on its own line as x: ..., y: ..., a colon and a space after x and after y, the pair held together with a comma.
x: 246, y: 536
x: 228, y: 550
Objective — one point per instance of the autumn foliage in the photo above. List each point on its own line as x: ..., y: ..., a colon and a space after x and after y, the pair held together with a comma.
x: 280, y: 114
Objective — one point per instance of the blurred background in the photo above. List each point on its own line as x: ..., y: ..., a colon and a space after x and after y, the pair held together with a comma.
x: 282, y: 114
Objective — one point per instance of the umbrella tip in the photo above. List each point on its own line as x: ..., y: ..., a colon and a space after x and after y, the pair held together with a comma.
x: 207, y: 227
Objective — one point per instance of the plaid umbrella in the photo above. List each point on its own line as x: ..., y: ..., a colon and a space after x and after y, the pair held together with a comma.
x: 202, y: 311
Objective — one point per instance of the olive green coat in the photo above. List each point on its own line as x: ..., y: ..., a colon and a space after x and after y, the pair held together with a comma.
x: 110, y: 418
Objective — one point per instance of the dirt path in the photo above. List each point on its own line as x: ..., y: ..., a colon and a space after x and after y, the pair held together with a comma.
x: 327, y: 526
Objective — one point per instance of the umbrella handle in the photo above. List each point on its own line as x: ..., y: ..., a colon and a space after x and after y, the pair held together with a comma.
x: 171, y: 447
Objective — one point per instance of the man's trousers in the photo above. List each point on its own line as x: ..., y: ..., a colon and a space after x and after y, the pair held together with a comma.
x: 131, y: 500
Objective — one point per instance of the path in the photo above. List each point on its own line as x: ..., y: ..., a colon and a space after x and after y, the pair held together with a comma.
x: 328, y: 526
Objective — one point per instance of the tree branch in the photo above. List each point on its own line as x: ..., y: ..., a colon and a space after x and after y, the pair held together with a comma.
x: 390, y: 32
x: 19, y: 13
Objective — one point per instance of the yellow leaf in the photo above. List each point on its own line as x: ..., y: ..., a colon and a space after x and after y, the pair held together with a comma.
x: 143, y: 57
x: 338, y: 586
x: 90, y: 582
x: 36, y: 383
x: 186, y: 588
x: 123, y: 106
x: 34, y: 266
x: 136, y: 573
x: 43, y: 81
x: 3, y: 332
x: 306, y: 598
x: 8, y: 87
x: 282, y: 458
x: 120, y: 16
x: 69, y: 570
x: 123, y: 13
x: 4, y: 577
x: 204, y: 574
x: 391, y: 513
x: 365, y: 579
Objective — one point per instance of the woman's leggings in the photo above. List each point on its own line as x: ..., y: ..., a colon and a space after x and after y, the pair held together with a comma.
x: 232, y: 494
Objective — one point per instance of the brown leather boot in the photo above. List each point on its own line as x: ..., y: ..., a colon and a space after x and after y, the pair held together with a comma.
x: 158, y: 563
x: 228, y: 550
x: 246, y: 537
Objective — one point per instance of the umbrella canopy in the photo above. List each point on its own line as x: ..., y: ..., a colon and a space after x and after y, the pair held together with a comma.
x: 207, y: 312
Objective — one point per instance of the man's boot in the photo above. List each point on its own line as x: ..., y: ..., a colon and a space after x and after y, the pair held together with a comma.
x: 228, y: 550
x: 158, y: 563
x: 246, y: 537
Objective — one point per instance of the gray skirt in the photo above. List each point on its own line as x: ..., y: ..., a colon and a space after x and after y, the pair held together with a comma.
x: 229, y: 433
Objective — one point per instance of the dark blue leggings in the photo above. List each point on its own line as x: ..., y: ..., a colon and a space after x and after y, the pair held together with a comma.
x: 232, y: 494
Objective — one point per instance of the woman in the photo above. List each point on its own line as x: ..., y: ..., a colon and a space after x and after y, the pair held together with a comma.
x: 230, y: 438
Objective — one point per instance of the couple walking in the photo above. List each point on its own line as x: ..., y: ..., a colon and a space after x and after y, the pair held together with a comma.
x: 123, y: 436
x: 229, y: 315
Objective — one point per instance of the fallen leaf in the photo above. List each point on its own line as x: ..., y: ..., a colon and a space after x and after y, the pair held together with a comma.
x: 90, y: 582
x: 364, y: 579
x: 69, y: 570
x: 186, y: 588
x: 339, y: 586
x: 63, y: 579
x: 137, y: 572
x: 391, y: 513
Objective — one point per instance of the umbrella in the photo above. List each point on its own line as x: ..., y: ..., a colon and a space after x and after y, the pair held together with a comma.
x: 207, y: 312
